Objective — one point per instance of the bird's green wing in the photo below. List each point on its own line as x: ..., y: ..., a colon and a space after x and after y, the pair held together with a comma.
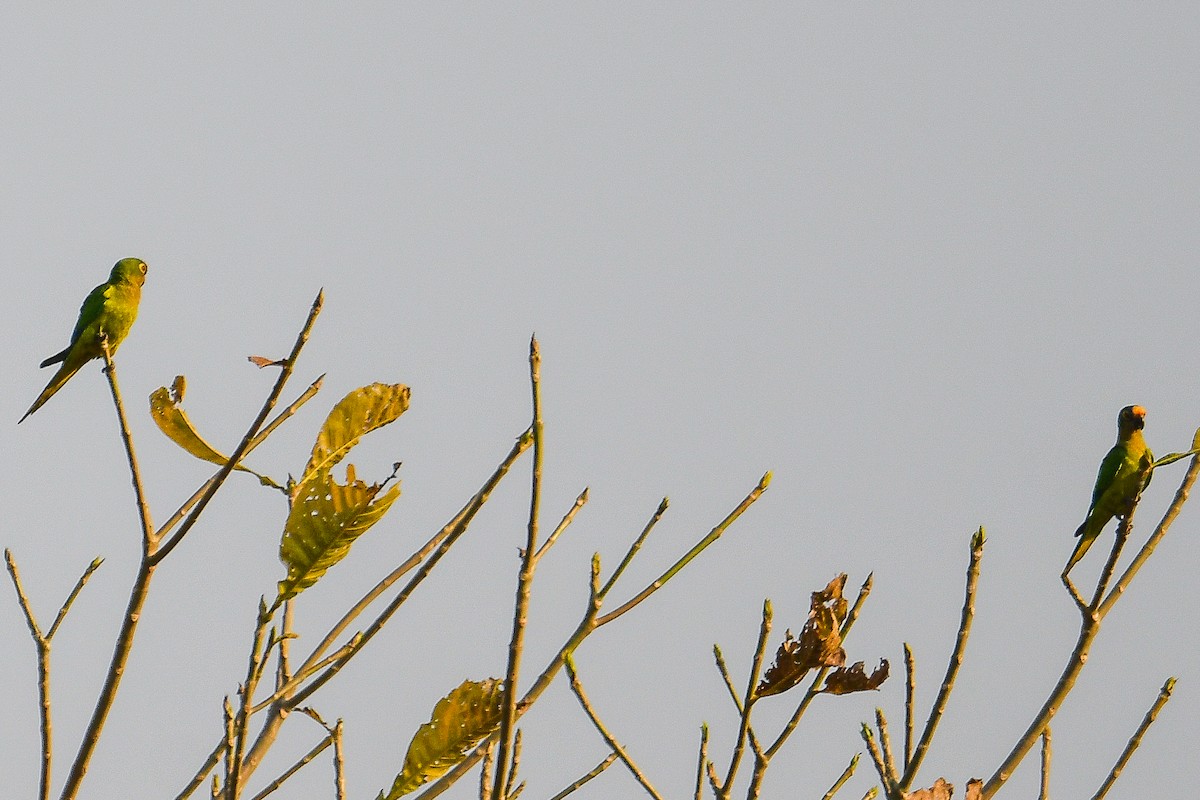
x: 1108, y: 472
x: 93, y: 306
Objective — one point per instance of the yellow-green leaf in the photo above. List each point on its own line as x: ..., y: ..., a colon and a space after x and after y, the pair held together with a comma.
x: 325, y: 519
x: 357, y: 414
x: 460, y: 721
x: 173, y: 421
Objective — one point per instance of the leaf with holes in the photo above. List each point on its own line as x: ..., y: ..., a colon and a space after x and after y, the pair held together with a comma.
x: 325, y: 519
x: 460, y: 721
x: 357, y: 414
x: 819, y: 643
x: 845, y: 680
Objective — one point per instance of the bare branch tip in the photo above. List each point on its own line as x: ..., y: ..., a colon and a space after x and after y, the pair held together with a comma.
x: 978, y: 538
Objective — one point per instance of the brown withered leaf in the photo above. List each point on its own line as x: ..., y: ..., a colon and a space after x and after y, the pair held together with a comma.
x: 854, y: 678
x: 832, y: 594
x: 819, y: 643
x: 262, y: 361
x: 939, y: 791
x: 974, y: 789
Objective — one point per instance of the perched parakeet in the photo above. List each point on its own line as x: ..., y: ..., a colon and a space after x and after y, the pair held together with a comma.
x: 110, y: 308
x: 1119, y: 481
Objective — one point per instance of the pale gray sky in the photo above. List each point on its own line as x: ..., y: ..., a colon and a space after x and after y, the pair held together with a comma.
x: 912, y: 258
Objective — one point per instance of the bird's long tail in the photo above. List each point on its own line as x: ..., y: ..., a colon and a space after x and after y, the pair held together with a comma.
x: 1086, y: 538
x: 62, y: 376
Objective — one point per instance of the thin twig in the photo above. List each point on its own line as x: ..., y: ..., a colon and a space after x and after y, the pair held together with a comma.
x: 516, y: 645
x: 289, y: 686
x: 687, y: 557
x: 283, y: 669
x: 79, y: 584
x: 701, y: 761
x: 567, y: 519
x: 258, y: 657
x: 635, y: 547
x: 956, y: 658
x: 1074, y: 665
x: 760, y: 649
x: 1123, y: 530
x: 733, y: 695
x: 1044, y: 790
x: 514, y: 766
x: 868, y: 736
x: 485, y: 773
x: 339, y: 761
x: 42, y: 644
x: 1164, y: 694
x: 885, y: 747
x: 577, y: 688
x: 845, y: 776
x: 596, y: 770
x: 127, y: 439
x: 910, y: 692
x: 1080, y: 603
x: 209, y: 764
x: 229, y: 728
x: 320, y: 747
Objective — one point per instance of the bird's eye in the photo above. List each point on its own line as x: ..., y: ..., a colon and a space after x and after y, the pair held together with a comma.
x: 142, y: 267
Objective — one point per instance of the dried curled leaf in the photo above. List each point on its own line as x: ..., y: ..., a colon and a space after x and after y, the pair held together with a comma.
x: 357, y: 414
x: 173, y: 421
x: 325, y: 519
x: 819, y: 644
x: 939, y: 791
x: 262, y: 361
x: 460, y: 721
x: 845, y: 680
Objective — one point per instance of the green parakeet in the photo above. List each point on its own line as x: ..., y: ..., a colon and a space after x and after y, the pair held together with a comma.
x: 1119, y: 481
x: 111, y: 308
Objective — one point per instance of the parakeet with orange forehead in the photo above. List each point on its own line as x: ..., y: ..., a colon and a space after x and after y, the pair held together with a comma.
x: 1119, y: 481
